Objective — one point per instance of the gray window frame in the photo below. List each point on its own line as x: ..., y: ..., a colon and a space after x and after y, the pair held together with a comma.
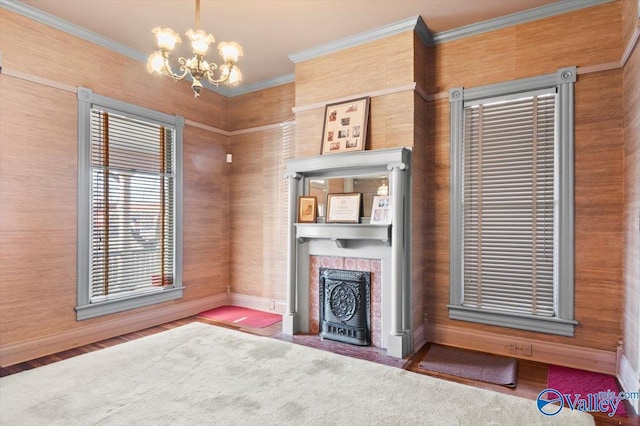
x: 84, y: 308
x: 563, y: 322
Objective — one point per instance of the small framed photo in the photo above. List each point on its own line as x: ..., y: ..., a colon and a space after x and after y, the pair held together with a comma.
x: 345, y: 126
x: 307, y: 209
x: 344, y: 208
x: 381, y: 210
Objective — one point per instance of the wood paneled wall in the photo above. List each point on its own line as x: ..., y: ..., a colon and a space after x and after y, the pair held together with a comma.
x: 371, y: 66
x: 631, y: 259
x: 419, y: 192
x: 629, y: 19
x: 38, y: 176
x: 259, y: 192
x: 380, y: 64
x: 262, y: 108
x: 235, y: 214
x: 525, y: 50
x: 395, y: 120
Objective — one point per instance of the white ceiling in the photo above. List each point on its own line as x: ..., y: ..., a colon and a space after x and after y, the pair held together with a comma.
x: 269, y: 30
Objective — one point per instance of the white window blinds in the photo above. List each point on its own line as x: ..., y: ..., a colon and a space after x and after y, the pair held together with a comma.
x: 508, y: 203
x: 132, y: 206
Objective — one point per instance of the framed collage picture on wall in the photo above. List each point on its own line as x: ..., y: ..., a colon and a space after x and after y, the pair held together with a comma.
x: 345, y: 126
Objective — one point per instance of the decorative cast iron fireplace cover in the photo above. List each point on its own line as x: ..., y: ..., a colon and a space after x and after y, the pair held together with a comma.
x: 345, y: 306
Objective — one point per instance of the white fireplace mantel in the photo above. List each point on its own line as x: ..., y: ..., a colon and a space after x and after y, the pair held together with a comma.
x: 390, y: 243
x: 342, y: 233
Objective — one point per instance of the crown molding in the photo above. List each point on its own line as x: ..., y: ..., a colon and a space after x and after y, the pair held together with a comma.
x: 541, y: 12
x: 264, y: 84
x: 85, y: 34
x: 365, y: 37
x: 73, y: 29
x: 414, y: 23
x: 423, y: 32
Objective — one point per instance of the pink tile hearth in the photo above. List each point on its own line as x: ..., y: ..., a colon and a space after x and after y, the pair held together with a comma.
x: 351, y: 264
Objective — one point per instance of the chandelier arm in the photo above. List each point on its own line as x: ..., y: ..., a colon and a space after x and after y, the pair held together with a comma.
x: 223, y: 77
x: 183, y: 68
x: 167, y: 70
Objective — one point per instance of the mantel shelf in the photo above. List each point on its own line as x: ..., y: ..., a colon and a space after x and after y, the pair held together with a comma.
x: 341, y: 233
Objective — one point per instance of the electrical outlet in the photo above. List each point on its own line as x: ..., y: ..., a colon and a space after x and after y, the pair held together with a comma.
x: 512, y: 348
x: 527, y: 349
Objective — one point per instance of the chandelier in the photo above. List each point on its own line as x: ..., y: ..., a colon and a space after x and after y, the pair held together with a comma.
x: 195, y: 67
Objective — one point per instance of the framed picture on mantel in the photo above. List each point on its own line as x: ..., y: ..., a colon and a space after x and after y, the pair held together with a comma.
x: 345, y: 126
x: 307, y: 209
x: 344, y: 208
x: 381, y: 210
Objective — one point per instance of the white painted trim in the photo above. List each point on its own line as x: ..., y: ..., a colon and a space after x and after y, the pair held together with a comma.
x: 580, y: 357
x: 84, y: 34
x: 630, y: 381
x: 419, y: 337
x: 69, y: 28
x: 415, y: 23
x: 259, y: 303
x: 633, y: 42
x: 598, y: 68
x: 422, y: 92
x: 265, y: 84
x: 72, y: 89
x: 437, y: 96
x: 38, y: 80
x: 205, y: 127
x: 607, y: 66
x: 362, y: 38
x: 373, y: 94
x: 541, y: 12
x: 261, y: 128
x: 25, y: 350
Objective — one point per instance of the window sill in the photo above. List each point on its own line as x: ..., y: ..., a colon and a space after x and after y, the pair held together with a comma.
x: 93, y: 310
x: 562, y: 327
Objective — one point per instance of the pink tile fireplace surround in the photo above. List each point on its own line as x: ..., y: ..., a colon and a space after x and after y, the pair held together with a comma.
x: 373, y: 266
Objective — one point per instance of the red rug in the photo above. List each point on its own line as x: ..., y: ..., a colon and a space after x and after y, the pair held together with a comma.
x: 244, y: 317
x: 571, y: 381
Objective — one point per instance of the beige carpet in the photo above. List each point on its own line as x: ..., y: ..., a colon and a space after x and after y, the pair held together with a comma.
x: 200, y: 374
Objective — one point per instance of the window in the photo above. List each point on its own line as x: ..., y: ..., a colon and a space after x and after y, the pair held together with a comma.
x: 512, y: 204
x: 129, y: 206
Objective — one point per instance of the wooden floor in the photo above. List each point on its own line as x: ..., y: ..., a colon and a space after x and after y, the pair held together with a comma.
x: 531, y: 376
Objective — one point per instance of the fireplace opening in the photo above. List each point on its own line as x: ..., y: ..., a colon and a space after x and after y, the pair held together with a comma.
x: 345, y: 306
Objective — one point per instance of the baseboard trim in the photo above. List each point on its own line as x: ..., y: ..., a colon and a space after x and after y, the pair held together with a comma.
x: 26, y: 350
x: 259, y: 303
x: 630, y: 381
x: 419, y: 337
x: 580, y: 357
